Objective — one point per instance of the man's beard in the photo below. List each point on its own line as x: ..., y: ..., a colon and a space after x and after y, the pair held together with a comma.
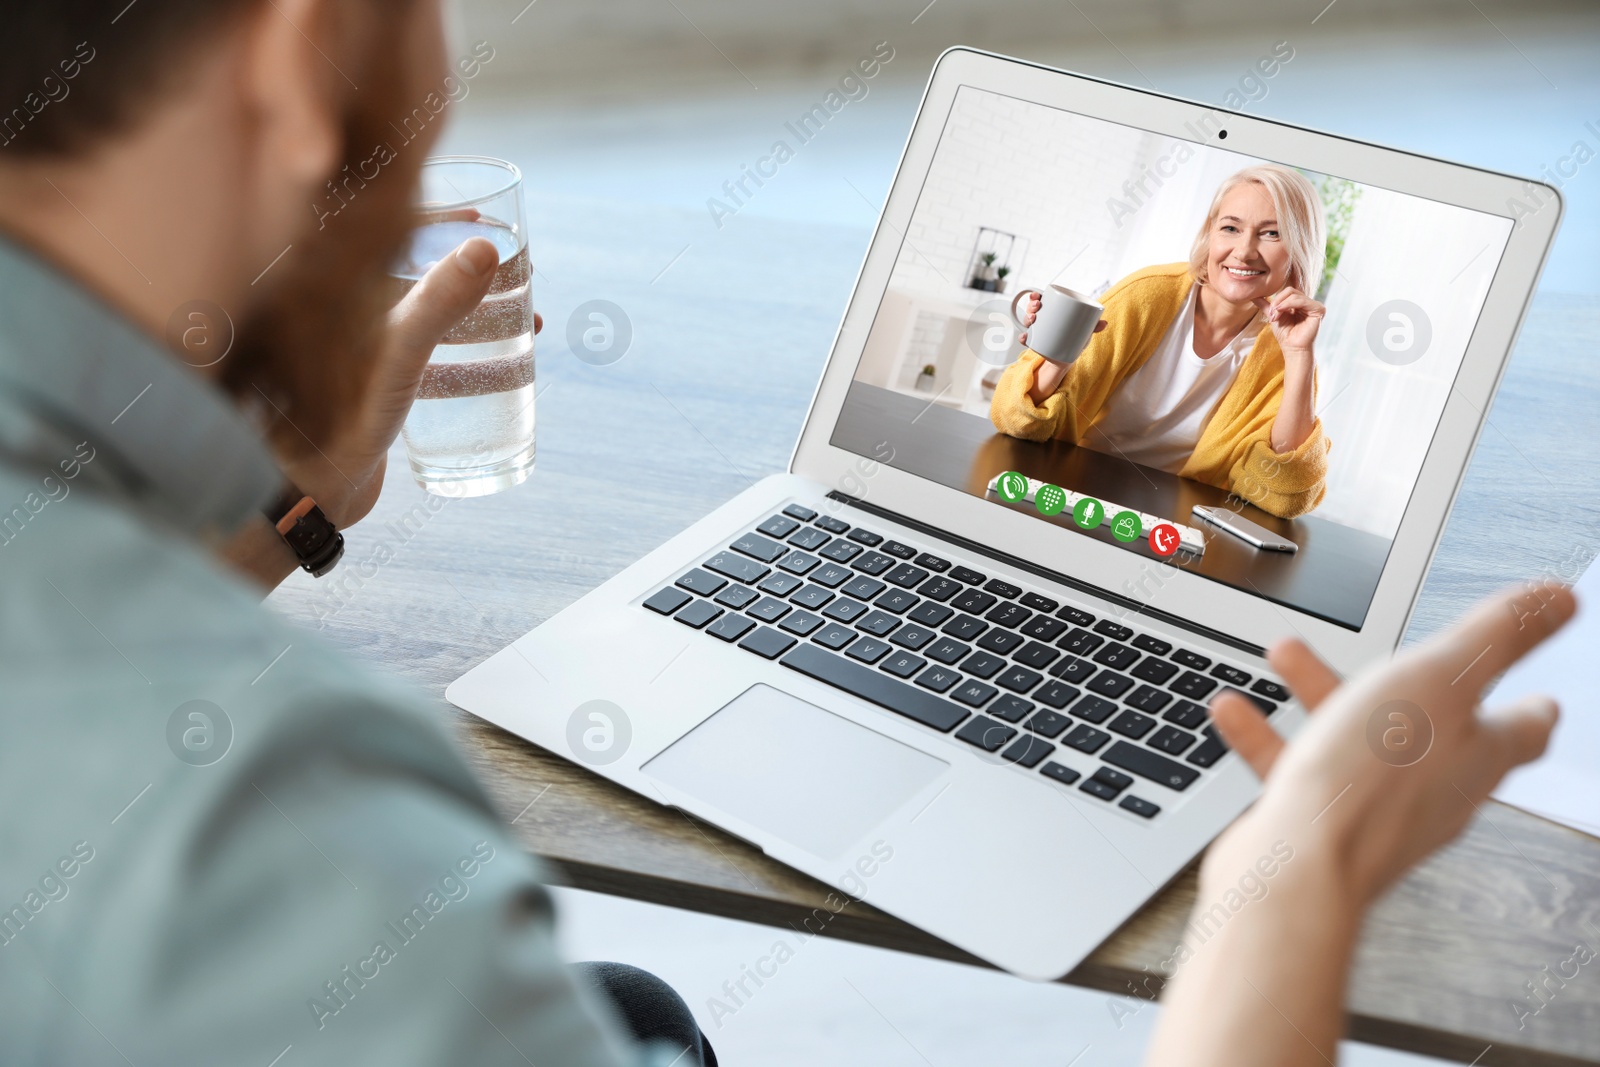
x: 303, y: 360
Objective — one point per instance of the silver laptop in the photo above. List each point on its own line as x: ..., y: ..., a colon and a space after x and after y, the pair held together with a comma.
x: 964, y: 675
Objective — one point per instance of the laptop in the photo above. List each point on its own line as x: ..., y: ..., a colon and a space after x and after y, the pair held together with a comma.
x: 963, y: 674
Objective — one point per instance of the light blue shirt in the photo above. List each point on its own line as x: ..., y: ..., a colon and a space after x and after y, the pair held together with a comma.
x: 210, y: 855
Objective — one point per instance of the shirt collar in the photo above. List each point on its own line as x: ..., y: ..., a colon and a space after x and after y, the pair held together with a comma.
x: 175, y: 445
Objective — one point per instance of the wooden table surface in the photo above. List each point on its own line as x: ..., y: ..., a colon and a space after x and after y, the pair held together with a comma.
x: 730, y: 329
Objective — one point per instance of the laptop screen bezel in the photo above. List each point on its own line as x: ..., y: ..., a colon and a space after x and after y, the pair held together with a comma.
x: 1201, y: 601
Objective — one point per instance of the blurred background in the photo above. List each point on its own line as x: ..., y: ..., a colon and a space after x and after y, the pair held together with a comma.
x: 631, y: 118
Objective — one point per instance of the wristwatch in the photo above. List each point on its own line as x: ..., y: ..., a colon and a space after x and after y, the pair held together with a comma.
x: 307, y: 531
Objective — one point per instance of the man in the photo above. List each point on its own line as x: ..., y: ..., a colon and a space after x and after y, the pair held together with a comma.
x: 209, y: 855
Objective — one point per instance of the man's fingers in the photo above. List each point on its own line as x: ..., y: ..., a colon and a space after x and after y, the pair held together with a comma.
x: 1247, y: 732
x: 444, y: 296
x: 1500, y: 631
x: 1308, y: 678
x: 1518, y: 734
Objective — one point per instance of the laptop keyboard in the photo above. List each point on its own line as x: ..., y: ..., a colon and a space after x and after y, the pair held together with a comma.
x: 1006, y: 670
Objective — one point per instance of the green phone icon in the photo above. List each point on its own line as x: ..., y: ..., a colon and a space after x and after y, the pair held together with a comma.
x: 1011, y: 487
x: 1050, y: 499
x: 1125, y: 527
x: 1088, y: 513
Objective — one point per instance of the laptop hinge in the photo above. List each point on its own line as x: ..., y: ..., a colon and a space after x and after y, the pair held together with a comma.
x: 1055, y: 576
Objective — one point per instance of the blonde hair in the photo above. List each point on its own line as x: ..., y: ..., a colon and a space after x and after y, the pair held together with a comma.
x: 1301, y: 225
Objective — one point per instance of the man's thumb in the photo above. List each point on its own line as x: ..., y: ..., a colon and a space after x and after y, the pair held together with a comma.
x: 445, y: 295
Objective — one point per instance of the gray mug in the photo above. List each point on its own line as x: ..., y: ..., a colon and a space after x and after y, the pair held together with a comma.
x: 1065, y: 323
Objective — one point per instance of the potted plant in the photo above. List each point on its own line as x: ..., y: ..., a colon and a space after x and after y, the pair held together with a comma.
x: 925, y: 379
x: 1000, y: 278
x: 984, y: 277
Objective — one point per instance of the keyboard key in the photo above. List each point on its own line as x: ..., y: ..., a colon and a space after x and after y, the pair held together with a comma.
x: 758, y: 547
x: 736, y: 567
x: 903, y: 664
x: 768, y: 643
x: 965, y: 627
x: 668, y: 600
x: 1019, y: 679
x: 1086, y: 738
x: 830, y: 575
x: 974, y: 601
x: 873, y: 563
x: 1132, y: 724
x: 833, y: 525
x: 1027, y: 751
x: 1195, y: 686
x: 1110, y: 684
x: 1155, y: 670
x: 866, y: 537
x: 1080, y: 642
x: 1171, y: 740
x: 898, y: 601
x: 1048, y: 723
x: 703, y: 582
x: 868, y: 650
x: 801, y: 622
x: 1116, y: 655
x: 940, y: 589
x: 841, y: 552
x: 1037, y: 656
x: 736, y: 596
x: 982, y: 664
x: 1229, y: 674
x: 947, y: 650
x: 1009, y: 615
x: 1000, y: 641
x: 779, y: 526
x: 1115, y: 779
x: 932, y: 562
x: 1056, y: 695
x: 796, y: 511
x: 986, y: 734
x: 780, y: 584
x: 864, y: 588
x: 1189, y: 715
x: 1094, y: 709
x: 769, y: 609
x: 877, y: 623
x: 1075, y: 616
x: 1011, y: 708
x: 811, y: 539
x: 1098, y: 789
x: 1060, y: 772
x: 974, y: 693
x: 845, y: 610
x: 895, y: 548
x: 698, y: 614
x: 906, y: 576
x: 929, y: 613
x: 1153, y: 645
x: 812, y: 596
x: 1151, y: 765
x: 798, y: 562
x: 1112, y: 630
x: 870, y: 685
x: 1039, y: 603
x: 1270, y: 689
x: 834, y: 636
x: 938, y: 678
x: 1000, y: 588
x: 1193, y: 660
x: 731, y: 627
x: 1267, y: 707
x: 968, y: 575
x: 1148, y: 698
x: 912, y: 637
x: 1212, y: 748
x: 1042, y: 628
x: 1139, y: 806
x: 1074, y: 670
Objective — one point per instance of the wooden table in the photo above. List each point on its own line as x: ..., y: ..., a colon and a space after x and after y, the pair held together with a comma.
x: 730, y: 331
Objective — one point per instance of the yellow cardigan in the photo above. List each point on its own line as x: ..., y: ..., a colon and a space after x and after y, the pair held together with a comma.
x: 1235, y: 448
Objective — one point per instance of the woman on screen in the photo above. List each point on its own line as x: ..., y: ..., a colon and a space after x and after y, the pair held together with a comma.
x: 1205, y: 369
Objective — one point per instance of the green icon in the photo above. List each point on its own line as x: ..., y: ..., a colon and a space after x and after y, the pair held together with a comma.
x: 1011, y: 487
x: 1088, y: 513
x: 1125, y: 527
x: 1050, y: 499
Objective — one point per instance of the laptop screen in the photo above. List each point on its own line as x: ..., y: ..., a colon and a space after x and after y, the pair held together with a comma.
x: 1231, y: 366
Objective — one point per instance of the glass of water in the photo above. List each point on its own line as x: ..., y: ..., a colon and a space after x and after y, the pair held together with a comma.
x: 471, y: 431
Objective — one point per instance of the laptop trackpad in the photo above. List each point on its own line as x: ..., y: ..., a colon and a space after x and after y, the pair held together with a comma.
x: 812, y: 778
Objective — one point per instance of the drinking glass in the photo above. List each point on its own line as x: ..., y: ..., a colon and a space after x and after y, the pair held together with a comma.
x: 471, y: 430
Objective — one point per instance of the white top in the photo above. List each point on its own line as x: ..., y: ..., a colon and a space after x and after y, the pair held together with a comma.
x: 1156, y: 416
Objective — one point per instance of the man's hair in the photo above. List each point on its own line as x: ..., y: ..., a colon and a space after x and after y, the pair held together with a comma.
x: 74, y: 71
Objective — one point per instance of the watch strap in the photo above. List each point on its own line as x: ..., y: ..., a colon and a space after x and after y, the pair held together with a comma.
x: 310, y: 535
